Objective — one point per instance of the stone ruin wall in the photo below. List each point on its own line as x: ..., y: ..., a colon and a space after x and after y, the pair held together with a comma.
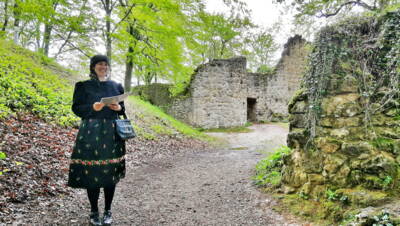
x: 257, y: 89
x: 217, y: 96
x: 219, y: 91
x: 274, y: 91
x: 284, y: 83
x: 352, y: 150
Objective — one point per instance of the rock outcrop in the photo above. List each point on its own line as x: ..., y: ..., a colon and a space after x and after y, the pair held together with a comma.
x: 345, y: 120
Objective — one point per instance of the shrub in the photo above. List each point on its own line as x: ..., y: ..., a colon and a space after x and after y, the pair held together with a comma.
x: 268, y: 170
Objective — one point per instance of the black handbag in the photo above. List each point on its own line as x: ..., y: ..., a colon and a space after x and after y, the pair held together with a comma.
x: 124, y: 128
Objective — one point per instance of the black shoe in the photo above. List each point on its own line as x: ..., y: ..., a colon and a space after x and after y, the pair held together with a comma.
x: 95, y: 219
x: 107, y: 218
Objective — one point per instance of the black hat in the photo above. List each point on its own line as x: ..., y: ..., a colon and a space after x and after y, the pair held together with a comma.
x: 96, y: 59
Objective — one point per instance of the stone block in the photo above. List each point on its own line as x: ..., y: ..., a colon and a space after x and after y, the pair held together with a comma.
x: 297, y: 121
x: 384, y: 120
x: 300, y: 107
x: 339, y: 133
x: 380, y: 164
x: 363, y: 197
x: 332, y: 164
x: 327, y: 145
x: 332, y: 122
x: 355, y: 149
x: 389, y: 132
x: 297, y: 138
x: 339, y: 84
x: 392, y: 112
x: 343, y: 105
x: 316, y: 179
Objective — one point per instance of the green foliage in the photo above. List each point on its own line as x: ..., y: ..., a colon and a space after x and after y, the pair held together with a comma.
x: 27, y: 86
x: 37, y: 22
x: 383, y: 143
x: 260, y: 47
x: 162, y: 130
x: 331, y: 195
x: 303, y: 195
x: 382, y: 219
x: 2, y: 155
x: 268, y: 170
x: 387, y: 181
x: 168, y: 123
x: 265, y: 69
x: 153, y: 38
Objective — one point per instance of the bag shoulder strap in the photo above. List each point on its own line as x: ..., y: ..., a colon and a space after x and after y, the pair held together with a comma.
x: 124, y: 115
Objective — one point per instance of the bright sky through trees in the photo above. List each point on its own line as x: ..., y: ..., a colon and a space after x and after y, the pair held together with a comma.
x: 263, y: 13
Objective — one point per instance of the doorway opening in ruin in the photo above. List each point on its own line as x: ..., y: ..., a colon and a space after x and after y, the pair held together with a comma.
x: 251, y: 109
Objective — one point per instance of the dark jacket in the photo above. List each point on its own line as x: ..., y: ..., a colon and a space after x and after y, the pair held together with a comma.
x: 88, y: 92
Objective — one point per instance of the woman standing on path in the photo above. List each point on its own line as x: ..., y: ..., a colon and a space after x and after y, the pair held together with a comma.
x: 97, y: 160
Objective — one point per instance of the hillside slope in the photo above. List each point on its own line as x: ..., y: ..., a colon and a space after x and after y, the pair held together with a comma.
x: 38, y: 128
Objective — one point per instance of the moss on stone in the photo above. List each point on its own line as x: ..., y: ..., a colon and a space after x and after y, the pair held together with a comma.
x: 362, y: 197
x: 299, y: 95
x: 322, y: 212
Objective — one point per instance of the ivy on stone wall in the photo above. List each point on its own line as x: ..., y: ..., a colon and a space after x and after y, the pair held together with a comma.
x: 365, y: 47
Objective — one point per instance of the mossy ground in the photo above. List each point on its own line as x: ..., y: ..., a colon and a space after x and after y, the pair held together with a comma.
x: 335, y: 210
x: 238, y: 129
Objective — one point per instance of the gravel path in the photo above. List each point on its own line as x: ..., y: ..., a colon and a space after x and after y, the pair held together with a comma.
x: 206, y: 188
x: 195, y: 188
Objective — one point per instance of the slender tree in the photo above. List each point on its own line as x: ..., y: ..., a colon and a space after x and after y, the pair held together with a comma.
x: 6, y: 16
x: 151, y: 41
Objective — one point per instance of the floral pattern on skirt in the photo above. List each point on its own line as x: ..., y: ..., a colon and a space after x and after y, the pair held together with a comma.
x: 97, y: 159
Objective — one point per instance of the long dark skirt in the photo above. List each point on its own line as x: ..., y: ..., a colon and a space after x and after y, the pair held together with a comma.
x: 97, y: 159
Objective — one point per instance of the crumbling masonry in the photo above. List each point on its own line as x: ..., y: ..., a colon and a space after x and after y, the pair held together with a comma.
x: 223, y: 94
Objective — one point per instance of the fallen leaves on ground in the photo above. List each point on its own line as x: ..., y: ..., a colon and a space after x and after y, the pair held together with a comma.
x: 35, y: 170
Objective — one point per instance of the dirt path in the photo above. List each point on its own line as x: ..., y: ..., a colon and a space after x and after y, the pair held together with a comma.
x: 209, y: 188
x: 201, y: 188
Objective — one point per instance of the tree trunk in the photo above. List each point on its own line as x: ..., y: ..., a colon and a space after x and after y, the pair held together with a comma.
x: 223, y: 45
x: 108, y: 10
x: 16, y: 23
x: 129, y: 63
x: 128, y: 70
x: 48, y: 27
x: 46, y: 39
x: 37, y: 36
x: 5, y: 23
x: 382, y: 4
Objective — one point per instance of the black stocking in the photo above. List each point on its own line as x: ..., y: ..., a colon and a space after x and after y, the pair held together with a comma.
x: 93, y: 194
x: 108, y: 196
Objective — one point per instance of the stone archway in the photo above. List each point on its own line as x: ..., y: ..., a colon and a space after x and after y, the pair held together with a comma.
x: 251, y: 109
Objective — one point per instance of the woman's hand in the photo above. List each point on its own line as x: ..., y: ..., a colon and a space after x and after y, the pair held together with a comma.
x: 115, y: 107
x: 97, y: 106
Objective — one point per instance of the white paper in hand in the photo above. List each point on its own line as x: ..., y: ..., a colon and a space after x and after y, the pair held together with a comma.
x: 114, y: 99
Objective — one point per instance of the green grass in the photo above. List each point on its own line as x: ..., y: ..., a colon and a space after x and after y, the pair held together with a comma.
x: 281, y: 124
x: 162, y: 123
x: 239, y: 129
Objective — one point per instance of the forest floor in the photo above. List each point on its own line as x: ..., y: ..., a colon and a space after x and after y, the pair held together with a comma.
x: 196, y: 186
